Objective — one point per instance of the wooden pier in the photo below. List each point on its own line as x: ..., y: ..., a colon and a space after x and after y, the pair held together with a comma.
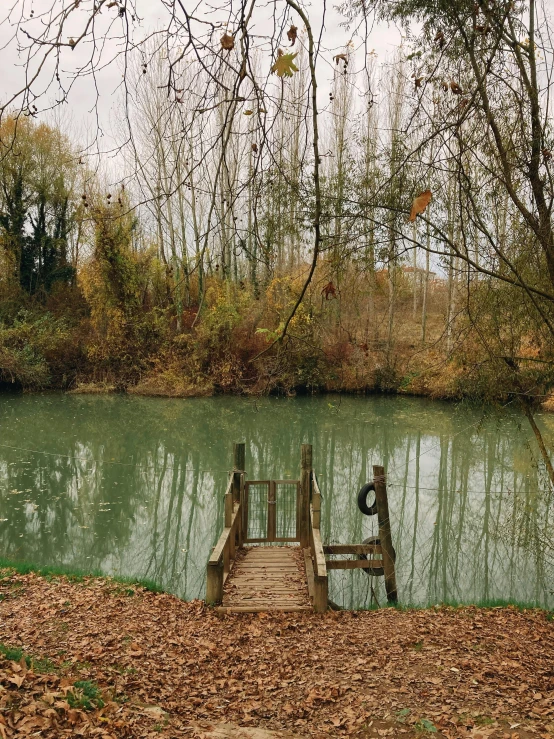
x: 270, y: 555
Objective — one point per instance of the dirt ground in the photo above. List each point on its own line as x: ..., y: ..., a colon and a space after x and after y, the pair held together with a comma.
x: 94, y: 657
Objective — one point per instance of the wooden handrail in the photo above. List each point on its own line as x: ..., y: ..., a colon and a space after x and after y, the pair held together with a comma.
x: 320, y: 565
x: 316, y: 549
x: 222, y: 557
x: 352, y: 549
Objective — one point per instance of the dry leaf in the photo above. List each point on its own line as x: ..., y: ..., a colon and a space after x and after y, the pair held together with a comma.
x: 292, y: 34
x: 455, y: 87
x: 341, y: 57
x: 284, y: 65
x: 199, y: 666
x: 227, y: 42
x: 17, y: 680
x: 419, y: 204
x: 439, y: 39
x: 329, y: 291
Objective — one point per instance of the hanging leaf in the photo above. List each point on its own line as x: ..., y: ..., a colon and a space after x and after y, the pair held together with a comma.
x: 455, y: 87
x: 418, y: 81
x: 341, y: 57
x: 419, y: 204
x: 227, y: 42
x: 292, y: 33
x: 439, y: 39
x: 255, y: 148
x: 247, y: 112
x: 284, y: 65
x: 329, y: 291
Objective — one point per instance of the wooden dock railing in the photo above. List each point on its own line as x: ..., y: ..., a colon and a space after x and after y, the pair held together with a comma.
x: 318, y: 558
x: 321, y: 584
x: 223, y: 555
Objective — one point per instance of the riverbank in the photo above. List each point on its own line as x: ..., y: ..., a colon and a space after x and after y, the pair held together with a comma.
x: 232, y: 347
x: 155, y: 391
x: 98, y: 658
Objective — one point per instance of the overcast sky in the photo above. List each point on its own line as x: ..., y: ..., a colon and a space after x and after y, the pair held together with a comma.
x: 82, y: 98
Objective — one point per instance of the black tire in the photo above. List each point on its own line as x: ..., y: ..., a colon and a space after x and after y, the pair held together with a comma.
x: 362, y: 500
x: 377, y: 571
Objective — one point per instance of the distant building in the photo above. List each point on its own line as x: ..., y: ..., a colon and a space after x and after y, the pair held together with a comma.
x: 416, y: 275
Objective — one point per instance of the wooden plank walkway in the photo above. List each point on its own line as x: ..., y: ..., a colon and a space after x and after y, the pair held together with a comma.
x: 267, y: 579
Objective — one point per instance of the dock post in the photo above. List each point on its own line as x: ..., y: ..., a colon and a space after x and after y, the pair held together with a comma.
x: 305, y: 491
x: 385, y: 533
x: 214, y: 583
x: 239, y: 454
x: 239, y: 463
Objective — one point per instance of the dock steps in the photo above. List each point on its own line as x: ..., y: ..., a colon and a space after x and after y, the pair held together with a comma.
x: 265, y: 579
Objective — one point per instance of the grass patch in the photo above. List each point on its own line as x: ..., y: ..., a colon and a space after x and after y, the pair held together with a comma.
x: 484, y: 720
x: 85, y: 695
x: 75, y: 575
x: 37, y: 664
x: 425, y: 726
x: 483, y: 603
x: 14, y: 654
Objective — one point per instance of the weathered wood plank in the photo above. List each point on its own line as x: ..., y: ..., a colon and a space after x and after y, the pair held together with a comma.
x: 320, y: 568
x: 353, y: 564
x: 385, y: 532
x: 309, y: 565
x: 352, y: 549
x: 303, y: 516
x: 264, y: 580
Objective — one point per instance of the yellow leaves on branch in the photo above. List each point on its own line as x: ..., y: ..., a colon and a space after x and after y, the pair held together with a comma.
x: 419, y: 204
x: 284, y: 65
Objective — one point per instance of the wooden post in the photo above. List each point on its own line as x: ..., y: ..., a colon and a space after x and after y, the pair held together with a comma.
x: 316, y: 505
x: 240, y: 523
x: 384, y: 532
x: 320, y: 594
x: 214, y: 584
x: 305, y: 489
x: 271, y: 512
x: 228, y: 509
x: 239, y: 465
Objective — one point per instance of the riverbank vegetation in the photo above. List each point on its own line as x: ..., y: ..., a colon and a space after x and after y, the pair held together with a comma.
x: 399, y: 240
x: 94, y: 659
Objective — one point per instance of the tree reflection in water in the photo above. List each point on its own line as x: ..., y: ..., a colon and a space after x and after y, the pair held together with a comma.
x: 134, y: 486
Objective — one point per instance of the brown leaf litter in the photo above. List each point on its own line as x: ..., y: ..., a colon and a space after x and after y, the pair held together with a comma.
x: 158, y: 666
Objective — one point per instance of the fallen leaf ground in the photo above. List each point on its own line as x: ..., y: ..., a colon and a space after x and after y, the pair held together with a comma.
x: 149, y: 665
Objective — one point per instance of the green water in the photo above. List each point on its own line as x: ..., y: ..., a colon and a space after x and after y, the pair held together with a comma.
x: 134, y: 487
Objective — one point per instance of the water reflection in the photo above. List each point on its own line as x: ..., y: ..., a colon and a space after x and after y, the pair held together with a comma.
x: 134, y: 486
